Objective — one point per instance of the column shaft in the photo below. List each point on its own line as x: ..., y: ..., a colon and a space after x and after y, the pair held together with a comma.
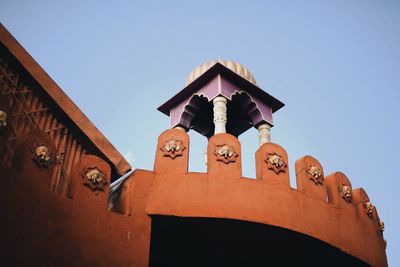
x: 220, y: 114
x: 264, y: 133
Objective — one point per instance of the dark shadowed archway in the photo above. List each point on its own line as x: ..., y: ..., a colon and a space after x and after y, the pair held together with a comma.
x: 178, y: 241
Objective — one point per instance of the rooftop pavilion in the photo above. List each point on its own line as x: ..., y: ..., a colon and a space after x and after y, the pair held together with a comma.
x: 222, y: 96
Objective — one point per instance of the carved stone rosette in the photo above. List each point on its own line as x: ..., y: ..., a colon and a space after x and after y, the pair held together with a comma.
x: 94, y: 179
x: 345, y: 192
x: 225, y: 153
x: 3, y: 118
x: 369, y: 208
x: 275, y: 162
x: 172, y: 148
x: 41, y: 155
x: 315, y: 175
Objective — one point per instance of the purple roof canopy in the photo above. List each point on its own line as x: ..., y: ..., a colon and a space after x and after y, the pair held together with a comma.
x: 248, y: 105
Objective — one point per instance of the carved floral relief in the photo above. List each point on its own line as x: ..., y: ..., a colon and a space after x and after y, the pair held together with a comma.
x: 369, y: 208
x: 225, y: 153
x: 3, y: 118
x: 41, y: 155
x: 345, y: 192
x: 94, y: 179
x: 172, y: 148
x: 381, y: 226
x: 275, y: 162
x: 315, y: 175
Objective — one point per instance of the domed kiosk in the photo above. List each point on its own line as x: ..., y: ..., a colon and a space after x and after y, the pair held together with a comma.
x: 219, y: 89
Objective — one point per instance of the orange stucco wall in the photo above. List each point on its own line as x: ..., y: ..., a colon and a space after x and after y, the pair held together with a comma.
x: 51, y: 229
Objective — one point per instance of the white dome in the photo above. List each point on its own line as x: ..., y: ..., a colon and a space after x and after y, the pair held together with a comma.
x: 232, y: 65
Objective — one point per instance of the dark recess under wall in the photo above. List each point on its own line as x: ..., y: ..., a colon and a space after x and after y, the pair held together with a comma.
x: 177, y: 241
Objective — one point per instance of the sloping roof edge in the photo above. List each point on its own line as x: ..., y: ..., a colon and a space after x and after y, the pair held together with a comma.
x: 63, y: 102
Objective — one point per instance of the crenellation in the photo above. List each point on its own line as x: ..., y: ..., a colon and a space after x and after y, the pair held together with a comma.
x: 310, y: 178
x: 224, y: 156
x: 223, y: 185
x: 272, y: 165
x: 172, y: 152
x: 224, y: 160
x: 339, y: 189
x: 365, y: 208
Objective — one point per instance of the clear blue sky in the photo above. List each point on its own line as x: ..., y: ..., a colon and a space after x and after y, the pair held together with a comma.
x: 335, y: 64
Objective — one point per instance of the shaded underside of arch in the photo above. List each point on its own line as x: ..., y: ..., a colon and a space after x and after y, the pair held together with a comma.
x: 189, y: 241
x: 242, y: 114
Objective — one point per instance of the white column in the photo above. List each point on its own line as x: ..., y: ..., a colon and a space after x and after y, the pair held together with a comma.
x: 264, y: 134
x: 220, y: 114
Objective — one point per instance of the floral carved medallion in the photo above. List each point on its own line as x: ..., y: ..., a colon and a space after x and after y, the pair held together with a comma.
x: 41, y: 155
x: 345, y: 192
x: 225, y: 153
x: 381, y: 226
x: 172, y: 148
x: 369, y: 208
x: 275, y: 162
x: 94, y: 179
x: 3, y: 118
x: 315, y: 175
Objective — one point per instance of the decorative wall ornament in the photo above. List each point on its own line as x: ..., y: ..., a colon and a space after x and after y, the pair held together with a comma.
x: 41, y: 155
x: 94, y: 179
x: 225, y: 153
x: 315, y: 175
x: 275, y: 162
x: 381, y: 226
x: 345, y: 191
x: 369, y: 208
x: 3, y: 118
x: 172, y: 148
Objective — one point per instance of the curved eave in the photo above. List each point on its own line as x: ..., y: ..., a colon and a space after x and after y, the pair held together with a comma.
x: 216, y: 69
x: 71, y: 115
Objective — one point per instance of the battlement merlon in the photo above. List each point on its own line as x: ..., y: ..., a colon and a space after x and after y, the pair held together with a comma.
x: 324, y: 207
